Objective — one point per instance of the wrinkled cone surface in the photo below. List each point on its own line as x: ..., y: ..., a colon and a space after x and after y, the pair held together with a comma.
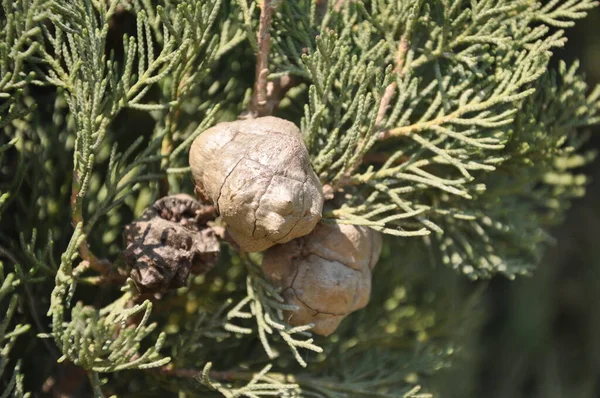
x: 327, y: 273
x: 258, y: 174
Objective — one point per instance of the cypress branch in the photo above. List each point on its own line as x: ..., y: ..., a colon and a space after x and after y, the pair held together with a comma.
x: 438, y: 124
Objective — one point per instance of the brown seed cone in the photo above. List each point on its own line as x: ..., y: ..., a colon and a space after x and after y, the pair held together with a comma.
x: 258, y: 174
x: 170, y: 240
x: 327, y: 273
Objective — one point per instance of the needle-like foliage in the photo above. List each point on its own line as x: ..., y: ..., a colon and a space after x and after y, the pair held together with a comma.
x: 12, y: 384
x: 438, y: 123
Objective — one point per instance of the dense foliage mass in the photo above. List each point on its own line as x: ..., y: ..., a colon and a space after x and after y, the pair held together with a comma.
x: 437, y: 123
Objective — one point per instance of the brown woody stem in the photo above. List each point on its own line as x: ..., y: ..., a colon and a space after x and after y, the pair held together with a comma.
x: 390, y: 90
x: 77, y: 217
x: 259, y: 105
x: 338, y: 5
x: 165, y: 149
x: 228, y: 375
x: 405, y: 130
x: 384, y: 104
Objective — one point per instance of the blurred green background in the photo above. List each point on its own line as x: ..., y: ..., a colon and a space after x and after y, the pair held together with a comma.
x: 540, y: 336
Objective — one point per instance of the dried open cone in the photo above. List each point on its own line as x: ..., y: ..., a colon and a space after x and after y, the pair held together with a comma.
x: 170, y: 240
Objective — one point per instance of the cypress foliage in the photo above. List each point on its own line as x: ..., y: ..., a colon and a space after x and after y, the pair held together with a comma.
x: 439, y: 121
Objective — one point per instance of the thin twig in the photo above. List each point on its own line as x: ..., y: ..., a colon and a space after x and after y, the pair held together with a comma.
x: 96, y: 264
x: 171, y: 126
x: 307, y: 382
x: 259, y: 104
x: 338, y: 5
x: 227, y: 375
x: 276, y: 91
x: 390, y: 90
x: 384, y: 104
x: 406, y: 130
x: 381, y: 158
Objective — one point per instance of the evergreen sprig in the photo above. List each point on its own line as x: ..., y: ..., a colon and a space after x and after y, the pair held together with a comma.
x: 5, y: 193
x: 19, y: 29
x: 124, y: 176
x: 436, y: 119
x: 339, y: 123
x: 426, y: 140
x: 266, y: 306
x: 532, y: 188
x: 104, y: 340
x: 11, y: 386
x: 260, y: 385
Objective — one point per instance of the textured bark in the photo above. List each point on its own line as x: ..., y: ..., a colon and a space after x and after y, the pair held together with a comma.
x: 170, y: 240
x: 327, y: 273
x: 258, y: 174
